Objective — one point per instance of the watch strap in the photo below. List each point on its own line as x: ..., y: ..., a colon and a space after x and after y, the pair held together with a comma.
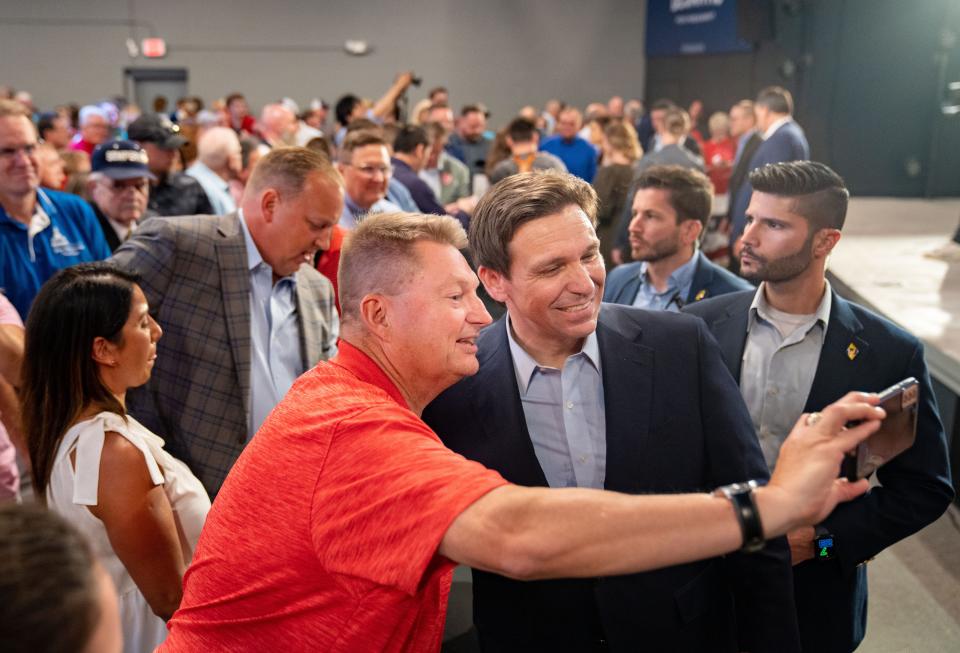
x: 748, y: 516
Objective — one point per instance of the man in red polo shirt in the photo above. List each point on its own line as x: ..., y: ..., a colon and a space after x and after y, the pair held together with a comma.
x: 340, y: 524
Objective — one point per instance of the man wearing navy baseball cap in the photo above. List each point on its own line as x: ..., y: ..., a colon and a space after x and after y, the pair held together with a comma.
x: 119, y: 187
x: 171, y: 193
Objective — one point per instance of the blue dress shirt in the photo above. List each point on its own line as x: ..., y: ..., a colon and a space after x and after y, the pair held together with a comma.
x: 217, y: 190
x: 400, y: 195
x: 352, y: 214
x: 672, y: 297
x: 276, y: 359
x: 564, y: 412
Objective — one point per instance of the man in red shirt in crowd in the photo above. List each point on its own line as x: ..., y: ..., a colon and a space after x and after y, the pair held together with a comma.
x: 340, y: 524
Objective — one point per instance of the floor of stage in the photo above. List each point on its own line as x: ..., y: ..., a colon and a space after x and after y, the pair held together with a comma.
x: 914, y: 585
x: 879, y: 262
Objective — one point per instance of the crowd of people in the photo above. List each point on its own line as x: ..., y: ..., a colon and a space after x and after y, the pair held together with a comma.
x: 387, y: 344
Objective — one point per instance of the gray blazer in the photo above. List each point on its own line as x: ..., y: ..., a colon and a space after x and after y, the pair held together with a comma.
x: 194, y: 273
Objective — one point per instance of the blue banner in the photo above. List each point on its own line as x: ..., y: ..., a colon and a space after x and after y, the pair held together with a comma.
x: 682, y: 27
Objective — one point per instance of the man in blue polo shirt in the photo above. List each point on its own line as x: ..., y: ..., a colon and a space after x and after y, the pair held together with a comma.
x: 41, y: 231
x: 577, y: 154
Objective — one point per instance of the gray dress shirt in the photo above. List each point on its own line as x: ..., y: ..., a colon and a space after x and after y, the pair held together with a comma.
x: 780, y: 359
x: 564, y: 412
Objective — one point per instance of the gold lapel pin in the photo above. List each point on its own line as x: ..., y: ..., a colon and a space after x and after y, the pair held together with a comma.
x: 852, y: 351
x: 700, y: 295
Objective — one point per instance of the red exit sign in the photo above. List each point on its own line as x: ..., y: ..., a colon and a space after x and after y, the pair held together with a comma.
x: 154, y: 48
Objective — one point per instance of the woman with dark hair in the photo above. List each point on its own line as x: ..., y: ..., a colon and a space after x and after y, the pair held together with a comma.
x: 90, y: 338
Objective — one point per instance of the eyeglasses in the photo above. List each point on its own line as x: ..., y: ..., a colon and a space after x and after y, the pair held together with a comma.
x: 10, y: 152
x: 120, y: 185
x: 370, y: 171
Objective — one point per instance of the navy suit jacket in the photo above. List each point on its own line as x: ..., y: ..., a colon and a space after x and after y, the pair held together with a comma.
x: 788, y: 143
x: 742, y: 167
x: 675, y: 422
x: 915, y: 487
x: 709, y: 280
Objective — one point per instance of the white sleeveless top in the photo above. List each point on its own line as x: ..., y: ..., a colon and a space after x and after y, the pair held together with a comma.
x: 70, y: 491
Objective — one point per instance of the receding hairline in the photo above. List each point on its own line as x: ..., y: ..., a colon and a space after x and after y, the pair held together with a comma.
x: 287, y: 188
x: 381, y: 253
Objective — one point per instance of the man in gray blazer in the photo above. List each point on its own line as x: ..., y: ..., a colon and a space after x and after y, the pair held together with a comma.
x: 243, y: 311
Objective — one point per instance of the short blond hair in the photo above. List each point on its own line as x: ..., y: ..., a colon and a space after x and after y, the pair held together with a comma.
x: 288, y: 168
x: 378, y: 256
x: 719, y: 122
x: 12, y: 108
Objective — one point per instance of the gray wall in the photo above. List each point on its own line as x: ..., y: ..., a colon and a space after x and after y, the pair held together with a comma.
x: 502, y: 52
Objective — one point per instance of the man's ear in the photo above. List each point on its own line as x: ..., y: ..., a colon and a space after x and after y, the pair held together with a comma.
x: 375, y: 315
x: 690, y: 231
x: 824, y: 241
x: 268, y: 203
x: 494, y: 282
x: 103, y: 352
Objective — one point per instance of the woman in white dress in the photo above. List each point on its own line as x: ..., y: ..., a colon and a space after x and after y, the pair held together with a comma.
x: 89, y: 339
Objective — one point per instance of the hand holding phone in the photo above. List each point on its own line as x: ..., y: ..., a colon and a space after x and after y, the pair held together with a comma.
x: 895, y: 435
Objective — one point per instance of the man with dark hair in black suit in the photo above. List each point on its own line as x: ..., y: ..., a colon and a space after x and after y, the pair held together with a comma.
x: 743, y: 127
x: 783, y: 140
x: 794, y: 345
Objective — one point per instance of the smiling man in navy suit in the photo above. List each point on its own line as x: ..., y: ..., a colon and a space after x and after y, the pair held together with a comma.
x: 795, y: 345
x: 574, y: 394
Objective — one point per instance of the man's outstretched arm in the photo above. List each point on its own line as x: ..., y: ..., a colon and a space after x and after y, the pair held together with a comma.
x: 531, y: 533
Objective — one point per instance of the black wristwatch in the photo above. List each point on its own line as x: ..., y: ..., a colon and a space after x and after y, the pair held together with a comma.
x: 745, y: 506
x: 824, y: 544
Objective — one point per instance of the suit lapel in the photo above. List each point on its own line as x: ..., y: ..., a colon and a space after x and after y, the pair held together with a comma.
x: 113, y: 240
x: 629, y: 291
x: 702, y: 278
x: 839, y: 362
x: 312, y: 325
x: 235, y: 288
x: 627, y: 371
x: 498, y: 408
x: 730, y: 330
